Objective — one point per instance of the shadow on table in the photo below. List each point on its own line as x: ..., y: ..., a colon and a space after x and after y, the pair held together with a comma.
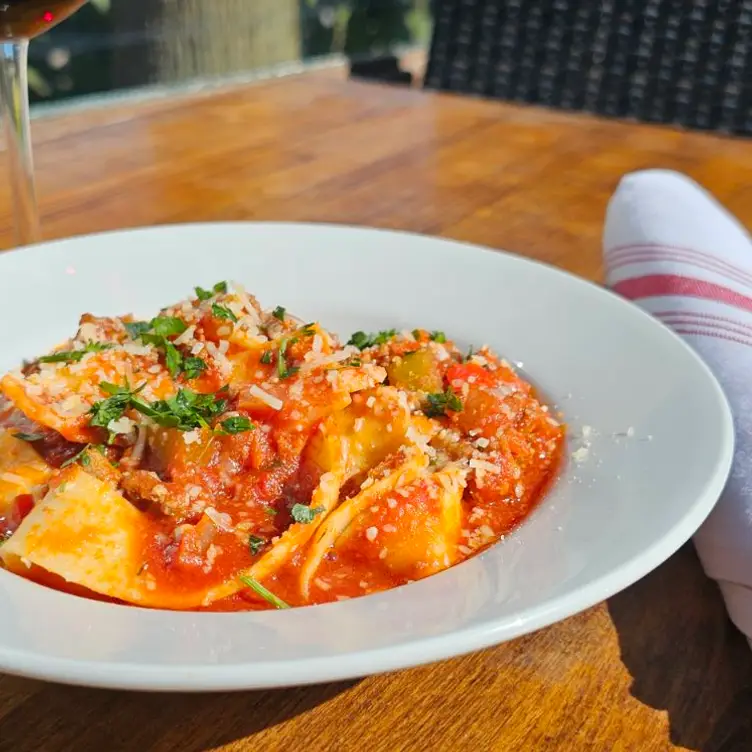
x: 61, y: 719
x: 686, y: 657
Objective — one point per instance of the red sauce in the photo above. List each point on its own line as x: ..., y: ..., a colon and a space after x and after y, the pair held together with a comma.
x: 507, y: 440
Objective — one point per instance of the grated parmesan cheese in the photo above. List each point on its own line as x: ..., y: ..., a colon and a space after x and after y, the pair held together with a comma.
x: 483, y: 465
x: 186, y: 336
x: 268, y: 399
x: 580, y: 455
x: 221, y: 519
x: 121, y: 426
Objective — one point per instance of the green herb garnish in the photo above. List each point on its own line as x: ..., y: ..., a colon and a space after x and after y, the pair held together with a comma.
x: 74, y: 356
x: 185, y: 411
x: 82, y: 457
x: 470, y: 353
x: 309, y: 330
x: 28, y: 436
x: 162, y: 327
x: 361, y: 340
x: 440, y: 402
x: 193, y: 367
x: 255, y: 544
x: 113, y: 407
x: 284, y: 370
x: 235, y: 424
x: 439, y: 337
x: 259, y: 589
x: 201, y: 294
x: 167, y: 326
x: 137, y: 328
x: 304, y: 514
x: 173, y: 359
x: 266, y: 358
x: 279, y: 313
x: 222, y: 312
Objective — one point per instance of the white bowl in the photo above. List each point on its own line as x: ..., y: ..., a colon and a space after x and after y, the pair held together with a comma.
x: 661, y: 448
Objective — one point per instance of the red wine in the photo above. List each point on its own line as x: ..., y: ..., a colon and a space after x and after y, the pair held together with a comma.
x: 24, y: 19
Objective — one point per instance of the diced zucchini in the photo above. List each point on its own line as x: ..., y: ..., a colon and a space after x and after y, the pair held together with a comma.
x: 416, y: 371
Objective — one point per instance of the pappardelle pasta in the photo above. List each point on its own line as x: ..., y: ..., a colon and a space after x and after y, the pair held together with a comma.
x: 219, y: 456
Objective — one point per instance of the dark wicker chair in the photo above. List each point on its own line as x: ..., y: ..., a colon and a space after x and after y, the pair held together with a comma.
x: 684, y: 62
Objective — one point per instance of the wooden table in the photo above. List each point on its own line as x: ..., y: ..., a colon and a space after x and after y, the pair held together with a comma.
x: 657, y: 667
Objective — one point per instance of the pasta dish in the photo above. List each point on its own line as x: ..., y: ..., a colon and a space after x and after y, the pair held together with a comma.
x: 222, y: 457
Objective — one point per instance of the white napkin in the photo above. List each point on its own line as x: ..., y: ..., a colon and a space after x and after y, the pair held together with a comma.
x: 677, y: 253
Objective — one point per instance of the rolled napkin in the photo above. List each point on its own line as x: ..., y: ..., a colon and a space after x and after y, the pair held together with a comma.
x: 677, y: 253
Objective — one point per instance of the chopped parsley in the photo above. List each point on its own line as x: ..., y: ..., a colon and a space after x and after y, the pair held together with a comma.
x: 29, y: 436
x: 201, y: 294
x: 185, y: 411
x: 284, y: 370
x: 193, y: 367
x: 266, y: 358
x: 304, y: 514
x: 173, y: 359
x: 74, y: 356
x: 222, y: 312
x: 159, y: 329
x: 309, y: 330
x: 235, y: 424
x: 137, y: 328
x: 82, y: 457
x: 439, y: 337
x: 112, y: 408
x: 438, y: 403
x: 361, y: 340
x: 279, y: 313
x: 167, y: 326
x: 255, y: 544
x: 259, y: 589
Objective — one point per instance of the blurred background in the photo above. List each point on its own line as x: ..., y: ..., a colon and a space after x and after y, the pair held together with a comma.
x: 113, y: 45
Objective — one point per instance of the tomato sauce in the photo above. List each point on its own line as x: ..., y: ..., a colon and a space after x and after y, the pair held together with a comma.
x: 432, y: 456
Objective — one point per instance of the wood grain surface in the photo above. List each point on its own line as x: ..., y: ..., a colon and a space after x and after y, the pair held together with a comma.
x: 658, y: 667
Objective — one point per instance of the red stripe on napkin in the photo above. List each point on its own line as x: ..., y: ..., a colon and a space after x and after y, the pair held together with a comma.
x: 622, y: 251
x: 655, y: 285
x: 713, y: 334
x: 690, y: 318
x: 642, y: 257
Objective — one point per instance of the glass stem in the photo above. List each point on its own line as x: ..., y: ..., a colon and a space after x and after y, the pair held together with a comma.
x: 14, y: 100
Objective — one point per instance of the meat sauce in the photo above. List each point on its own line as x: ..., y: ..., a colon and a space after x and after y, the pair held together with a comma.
x: 483, y: 418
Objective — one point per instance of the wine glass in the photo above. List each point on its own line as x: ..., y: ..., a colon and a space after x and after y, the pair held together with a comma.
x: 20, y: 21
